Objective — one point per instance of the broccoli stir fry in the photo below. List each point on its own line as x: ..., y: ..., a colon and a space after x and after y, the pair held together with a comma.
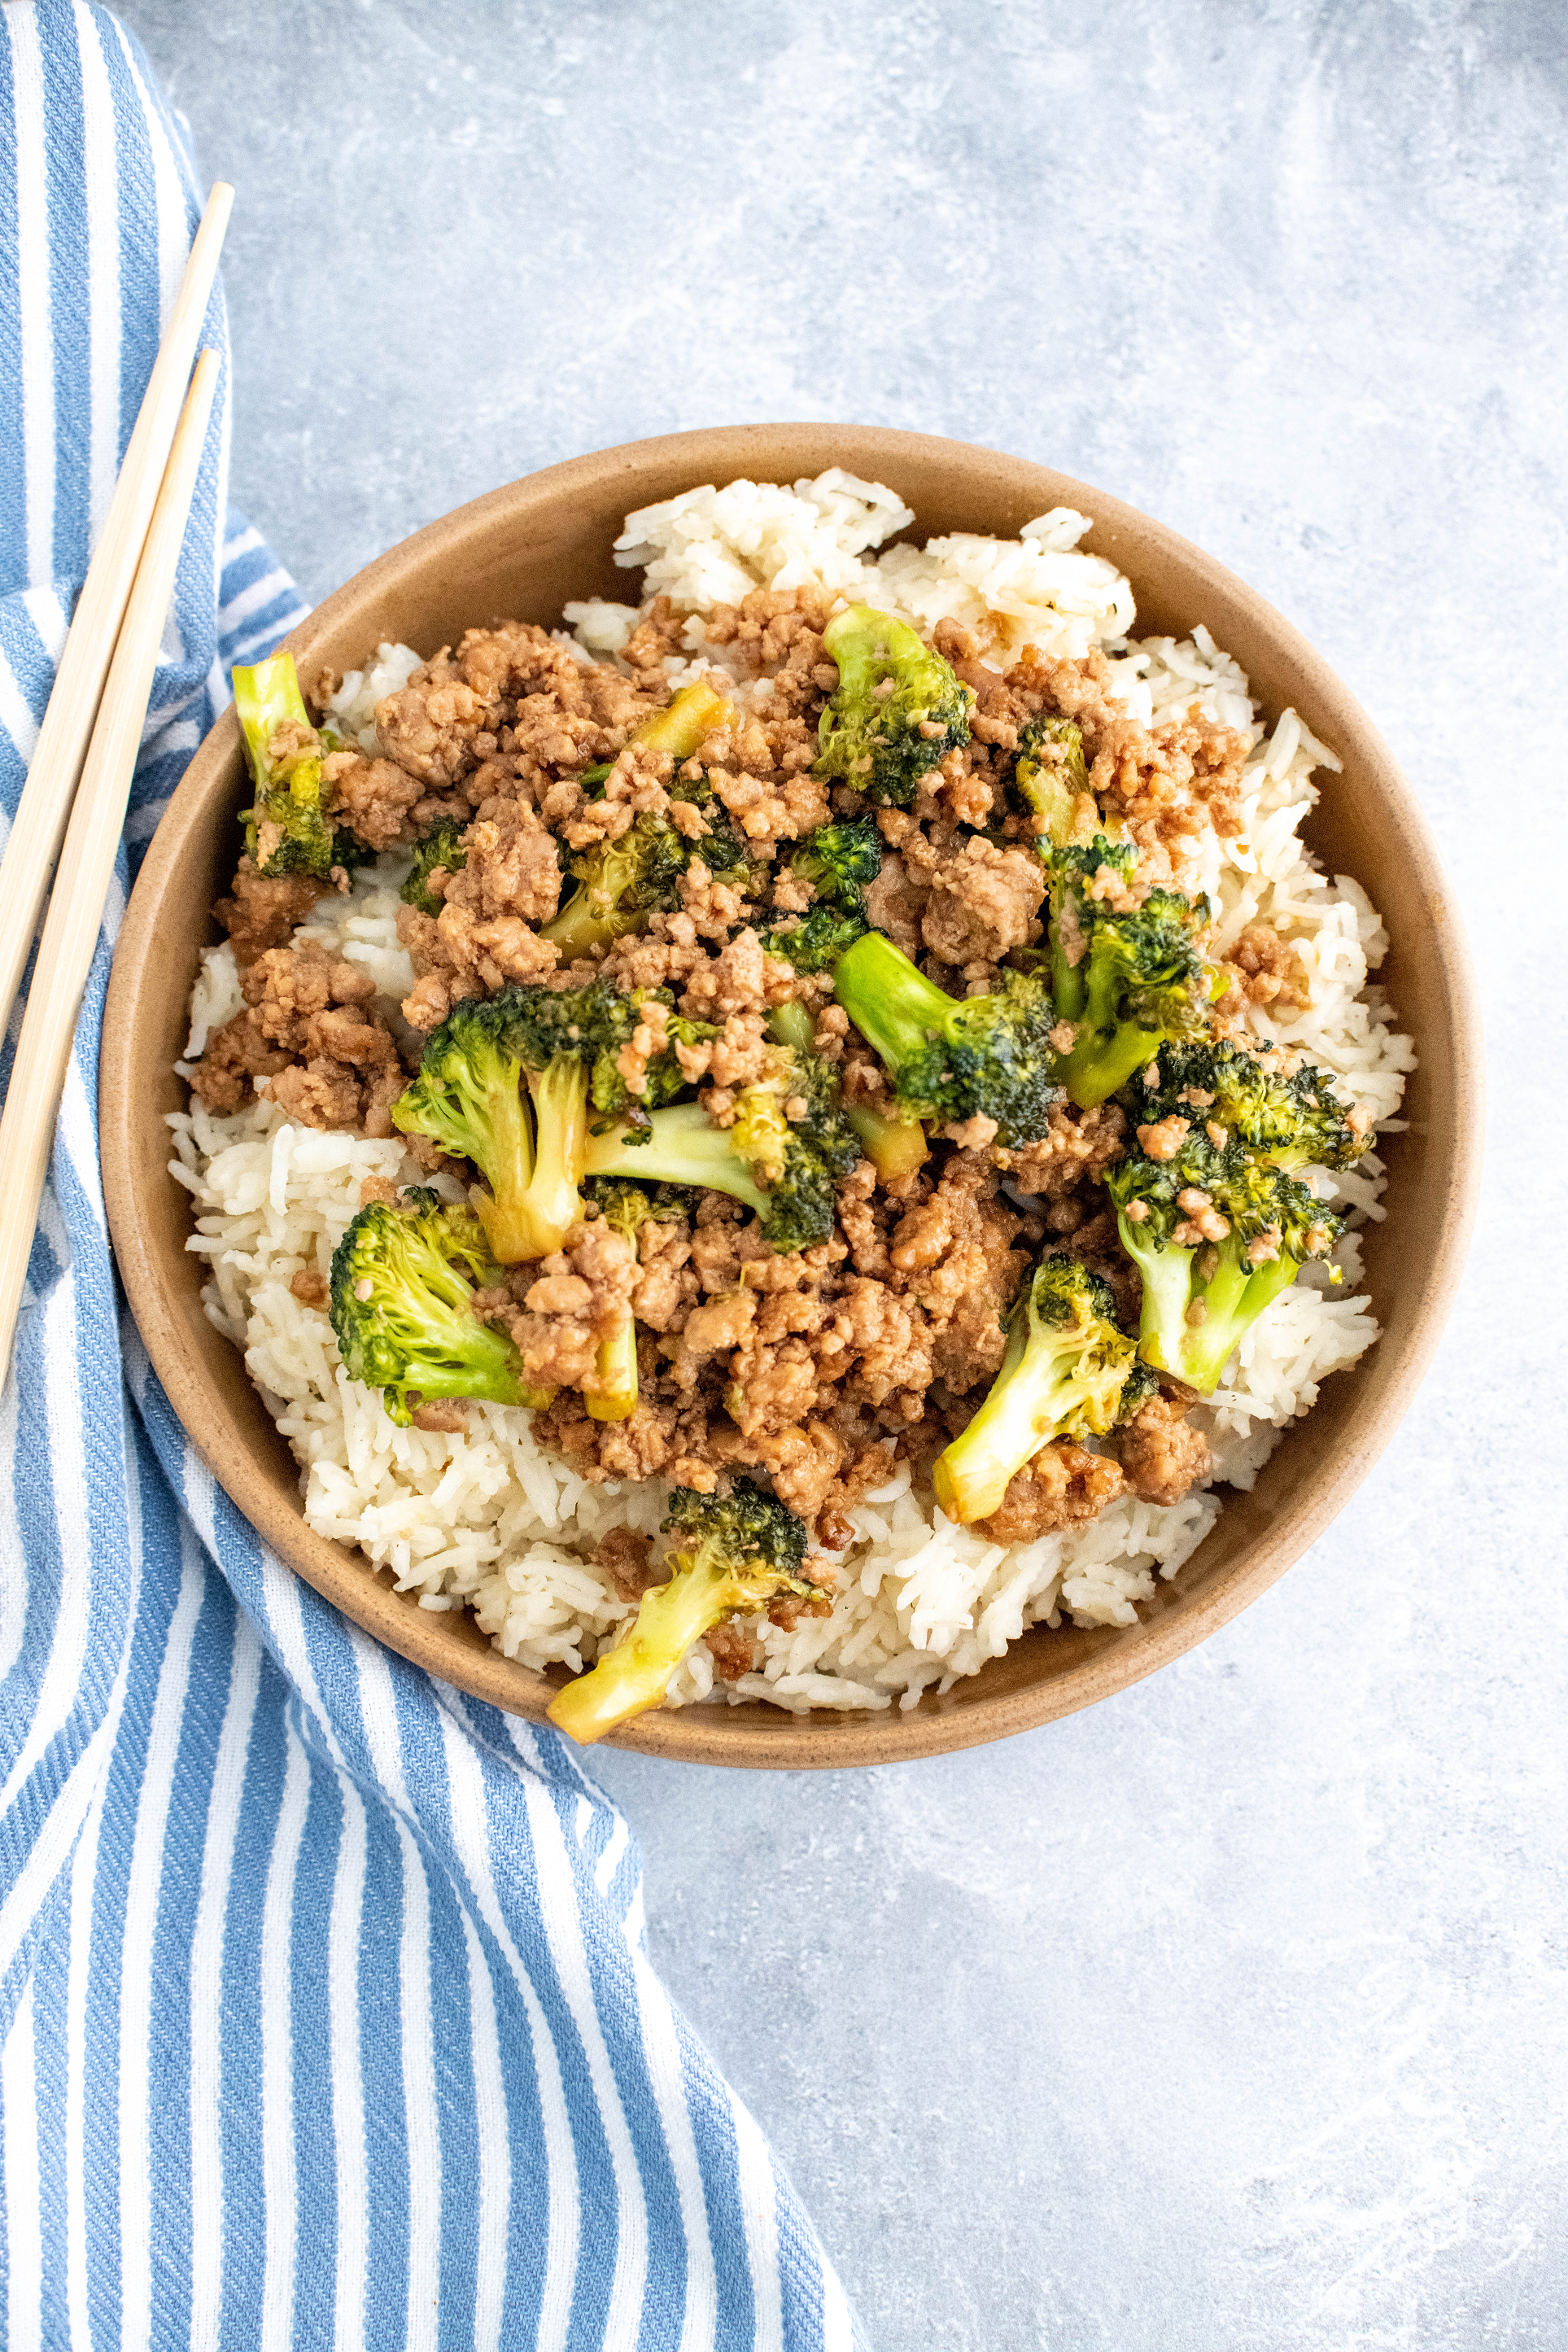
x: 820, y: 1057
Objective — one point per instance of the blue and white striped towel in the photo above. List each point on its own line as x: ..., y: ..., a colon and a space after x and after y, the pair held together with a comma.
x: 325, y: 2015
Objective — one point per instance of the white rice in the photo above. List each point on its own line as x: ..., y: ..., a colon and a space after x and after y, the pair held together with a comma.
x: 489, y: 1520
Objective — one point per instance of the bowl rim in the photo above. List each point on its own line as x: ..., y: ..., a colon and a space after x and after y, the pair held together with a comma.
x: 760, y: 1737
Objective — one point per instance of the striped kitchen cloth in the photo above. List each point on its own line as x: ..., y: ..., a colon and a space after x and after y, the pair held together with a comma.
x: 325, y: 2012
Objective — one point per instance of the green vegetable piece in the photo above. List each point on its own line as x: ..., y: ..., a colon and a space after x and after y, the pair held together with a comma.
x: 841, y: 862
x: 403, y: 1308
x: 508, y: 1083
x: 1127, y: 981
x: 951, y: 1059
x: 1051, y: 778
x: 786, y: 1169
x: 737, y: 1553
x: 895, y: 1146
x: 285, y: 828
x: 815, y: 942
x: 443, y: 845
x: 897, y: 710
x: 1202, y: 1294
x: 1063, y: 1376
x: 1296, y: 1121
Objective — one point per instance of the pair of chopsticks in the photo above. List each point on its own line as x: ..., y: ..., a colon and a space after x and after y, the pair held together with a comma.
x: 73, y: 804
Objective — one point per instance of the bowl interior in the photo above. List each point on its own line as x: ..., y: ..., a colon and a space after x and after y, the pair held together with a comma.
x: 523, y: 551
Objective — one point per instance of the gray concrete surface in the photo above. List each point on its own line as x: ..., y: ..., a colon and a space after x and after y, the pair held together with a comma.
x: 1232, y: 2014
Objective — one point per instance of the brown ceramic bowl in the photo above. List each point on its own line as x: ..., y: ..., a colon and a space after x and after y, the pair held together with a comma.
x: 521, y: 552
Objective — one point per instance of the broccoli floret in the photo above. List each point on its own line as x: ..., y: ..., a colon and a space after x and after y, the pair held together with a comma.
x: 506, y: 1083
x: 1140, y: 1385
x: 621, y: 883
x: 955, y: 1058
x: 403, y: 1308
x: 1297, y: 1121
x: 1063, y: 1376
x: 838, y: 861
x: 625, y: 1208
x: 817, y: 940
x: 1051, y: 778
x: 1126, y: 983
x: 1204, y: 1289
x: 736, y: 1555
x: 287, y: 830
x: 884, y: 743
x: 841, y: 862
x: 786, y: 1169
x: 444, y: 844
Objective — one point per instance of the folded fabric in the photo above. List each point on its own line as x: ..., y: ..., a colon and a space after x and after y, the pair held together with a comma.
x: 325, y: 2013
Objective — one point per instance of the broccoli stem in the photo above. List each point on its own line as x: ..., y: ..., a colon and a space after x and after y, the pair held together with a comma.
x: 1100, y: 1065
x: 613, y: 1395
x: 686, y: 719
x: 531, y: 1217
x: 1168, y: 1273
x: 682, y: 1147
x: 895, y: 1146
x: 634, y: 1677
x: 1107, y: 1050
x: 974, y: 1474
x: 1069, y: 991
x: 1230, y: 1302
x: 578, y: 929
x: 893, y: 1004
x: 268, y: 696
x: 792, y: 1025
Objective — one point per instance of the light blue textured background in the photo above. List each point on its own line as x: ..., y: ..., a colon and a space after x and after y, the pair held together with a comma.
x: 1236, y: 2012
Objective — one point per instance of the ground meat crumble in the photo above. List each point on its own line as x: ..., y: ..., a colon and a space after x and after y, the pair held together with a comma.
x: 814, y: 1370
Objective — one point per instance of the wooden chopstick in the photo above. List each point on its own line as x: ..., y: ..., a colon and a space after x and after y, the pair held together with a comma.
x: 56, y: 764
x: 87, y: 863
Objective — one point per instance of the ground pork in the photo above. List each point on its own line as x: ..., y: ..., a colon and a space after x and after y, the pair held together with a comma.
x: 446, y: 721
x: 308, y: 1033
x: 895, y: 903
x: 374, y: 798
x: 1162, y: 1455
x: 983, y: 904
x: 578, y: 1299
x: 236, y: 1055
x: 1061, y: 1487
x: 956, y: 1256
x: 262, y: 909
x: 1264, y: 968
x: 457, y: 956
x: 623, y: 1556
x: 1077, y: 1147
